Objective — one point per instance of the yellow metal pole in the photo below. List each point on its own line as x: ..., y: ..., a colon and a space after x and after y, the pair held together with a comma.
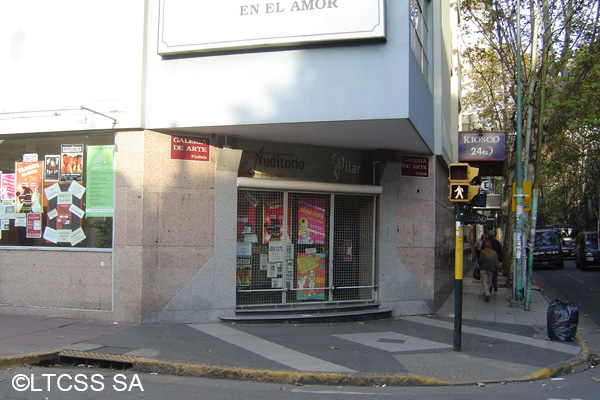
x: 458, y: 276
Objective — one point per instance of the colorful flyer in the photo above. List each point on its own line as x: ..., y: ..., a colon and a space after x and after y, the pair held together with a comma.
x: 311, y: 276
x: 243, y: 272
x: 71, y: 164
x: 7, y: 186
x: 273, y: 220
x: 28, y: 186
x: 51, y: 167
x: 34, y: 225
x: 100, y: 181
x: 311, y: 220
x: 64, y: 214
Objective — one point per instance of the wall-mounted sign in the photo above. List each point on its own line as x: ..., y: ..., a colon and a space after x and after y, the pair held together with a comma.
x: 487, y: 185
x: 415, y: 166
x: 200, y: 25
x: 190, y: 148
x: 302, y: 162
x: 473, y: 218
x: 485, y: 146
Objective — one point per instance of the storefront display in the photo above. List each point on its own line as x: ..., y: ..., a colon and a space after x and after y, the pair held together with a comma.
x: 44, y: 202
x: 310, y: 247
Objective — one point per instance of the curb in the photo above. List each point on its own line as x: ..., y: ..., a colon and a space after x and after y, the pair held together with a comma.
x: 579, y: 363
x: 286, y: 377
x: 29, y: 358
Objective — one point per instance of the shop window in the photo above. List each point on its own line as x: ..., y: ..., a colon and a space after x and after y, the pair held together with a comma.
x: 57, y: 191
x: 298, y: 248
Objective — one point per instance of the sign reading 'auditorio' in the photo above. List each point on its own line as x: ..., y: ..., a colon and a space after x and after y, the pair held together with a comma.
x: 188, y: 26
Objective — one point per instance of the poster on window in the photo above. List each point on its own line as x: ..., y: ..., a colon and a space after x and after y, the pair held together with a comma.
x: 7, y: 187
x: 71, y: 164
x: 34, y: 226
x: 347, y: 250
x: 7, y: 213
x: 311, y: 276
x: 64, y: 213
x: 28, y: 187
x: 311, y: 220
x: 51, y: 167
x: 243, y: 272
x: 246, y: 226
x: 273, y: 220
x: 100, y: 181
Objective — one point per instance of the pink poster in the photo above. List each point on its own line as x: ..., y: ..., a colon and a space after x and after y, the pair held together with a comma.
x: 7, y: 183
x: 34, y: 225
x: 311, y: 220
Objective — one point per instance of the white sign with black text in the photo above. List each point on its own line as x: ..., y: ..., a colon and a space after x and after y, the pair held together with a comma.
x: 187, y: 26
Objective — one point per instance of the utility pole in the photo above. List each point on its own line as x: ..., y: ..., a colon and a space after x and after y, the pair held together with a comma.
x: 518, y: 239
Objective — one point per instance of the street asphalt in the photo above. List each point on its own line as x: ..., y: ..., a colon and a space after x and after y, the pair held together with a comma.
x: 499, y: 342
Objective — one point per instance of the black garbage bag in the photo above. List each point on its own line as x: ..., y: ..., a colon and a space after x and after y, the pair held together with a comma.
x: 562, y: 320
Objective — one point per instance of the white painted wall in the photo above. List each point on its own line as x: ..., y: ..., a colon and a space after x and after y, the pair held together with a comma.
x: 58, y: 55
x: 353, y: 82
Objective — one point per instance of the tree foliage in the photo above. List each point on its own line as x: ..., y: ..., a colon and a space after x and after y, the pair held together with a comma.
x: 560, y: 80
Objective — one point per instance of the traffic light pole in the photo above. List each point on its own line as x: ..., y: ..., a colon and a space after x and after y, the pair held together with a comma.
x: 463, y: 189
x: 458, y: 276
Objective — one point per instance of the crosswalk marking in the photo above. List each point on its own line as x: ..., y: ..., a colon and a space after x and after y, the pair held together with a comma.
x: 272, y: 351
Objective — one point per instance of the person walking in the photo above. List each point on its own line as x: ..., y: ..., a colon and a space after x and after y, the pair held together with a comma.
x: 479, y: 244
x: 488, y: 264
x: 497, y: 247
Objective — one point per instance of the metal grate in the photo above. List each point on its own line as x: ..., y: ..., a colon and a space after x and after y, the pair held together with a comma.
x: 298, y: 248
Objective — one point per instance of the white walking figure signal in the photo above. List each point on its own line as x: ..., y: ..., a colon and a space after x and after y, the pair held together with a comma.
x: 459, y: 192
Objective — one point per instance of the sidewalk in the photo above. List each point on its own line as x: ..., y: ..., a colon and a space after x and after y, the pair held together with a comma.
x: 499, y: 343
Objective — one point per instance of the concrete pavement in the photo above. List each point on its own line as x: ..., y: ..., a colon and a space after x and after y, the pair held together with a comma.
x: 500, y: 343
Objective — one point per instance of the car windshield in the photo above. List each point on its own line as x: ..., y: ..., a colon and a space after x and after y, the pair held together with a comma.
x: 591, y: 240
x: 568, y: 243
x: 546, y: 239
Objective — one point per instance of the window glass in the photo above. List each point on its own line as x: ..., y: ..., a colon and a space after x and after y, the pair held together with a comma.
x: 419, y: 14
x: 591, y: 241
x: 546, y: 239
x: 57, y: 191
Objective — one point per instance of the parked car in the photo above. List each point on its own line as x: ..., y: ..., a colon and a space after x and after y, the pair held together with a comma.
x: 568, y: 247
x: 547, y: 250
x: 586, y: 250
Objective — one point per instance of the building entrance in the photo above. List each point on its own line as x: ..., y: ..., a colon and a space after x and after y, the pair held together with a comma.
x: 295, y: 248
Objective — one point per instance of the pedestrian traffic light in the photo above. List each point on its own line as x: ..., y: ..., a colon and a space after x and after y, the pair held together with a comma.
x: 464, y: 184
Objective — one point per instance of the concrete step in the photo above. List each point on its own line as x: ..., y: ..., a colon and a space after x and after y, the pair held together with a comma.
x: 309, y: 316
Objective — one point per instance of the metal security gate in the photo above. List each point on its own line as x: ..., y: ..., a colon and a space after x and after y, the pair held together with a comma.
x: 295, y: 248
